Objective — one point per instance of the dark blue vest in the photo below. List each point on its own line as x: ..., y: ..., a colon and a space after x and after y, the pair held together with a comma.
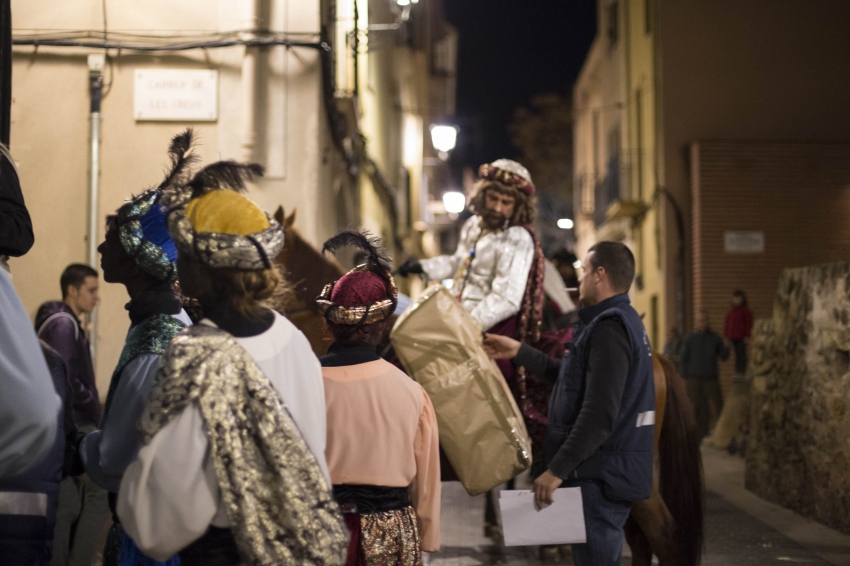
x: 624, y: 462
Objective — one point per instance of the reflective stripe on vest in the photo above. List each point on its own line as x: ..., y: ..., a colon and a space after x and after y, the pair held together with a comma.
x: 23, y: 503
x: 646, y: 419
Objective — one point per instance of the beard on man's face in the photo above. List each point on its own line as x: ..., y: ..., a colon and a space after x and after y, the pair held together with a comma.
x: 493, y: 220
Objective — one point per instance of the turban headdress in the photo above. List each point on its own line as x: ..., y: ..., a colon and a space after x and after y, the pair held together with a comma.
x: 212, y: 222
x: 365, y: 295
x: 141, y: 221
x: 508, y: 172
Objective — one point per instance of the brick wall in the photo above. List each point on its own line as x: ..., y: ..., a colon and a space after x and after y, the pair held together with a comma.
x: 798, y: 194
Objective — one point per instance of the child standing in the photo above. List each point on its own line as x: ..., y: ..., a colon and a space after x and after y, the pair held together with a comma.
x: 737, y: 328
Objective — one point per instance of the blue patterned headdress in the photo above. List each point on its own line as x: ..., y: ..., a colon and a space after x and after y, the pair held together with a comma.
x: 141, y: 221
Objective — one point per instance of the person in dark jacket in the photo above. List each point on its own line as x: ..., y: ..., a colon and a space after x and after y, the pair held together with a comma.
x: 737, y: 328
x: 700, y: 354
x: 602, y: 411
x: 16, y: 236
x: 58, y: 323
x: 83, y: 507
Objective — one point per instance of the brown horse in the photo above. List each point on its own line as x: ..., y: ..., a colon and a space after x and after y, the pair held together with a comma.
x: 669, y: 524
x: 307, y: 271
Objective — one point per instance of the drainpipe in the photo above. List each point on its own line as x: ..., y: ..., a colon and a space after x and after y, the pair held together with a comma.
x: 95, y: 63
x: 250, y: 74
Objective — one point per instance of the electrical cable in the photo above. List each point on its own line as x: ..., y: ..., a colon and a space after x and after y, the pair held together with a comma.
x: 121, y: 46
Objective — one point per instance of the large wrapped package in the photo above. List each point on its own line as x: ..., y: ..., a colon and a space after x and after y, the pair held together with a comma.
x: 481, y: 428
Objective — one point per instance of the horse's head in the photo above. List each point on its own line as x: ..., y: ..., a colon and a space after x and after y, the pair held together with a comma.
x: 283, y: 220
x: 305, y: 267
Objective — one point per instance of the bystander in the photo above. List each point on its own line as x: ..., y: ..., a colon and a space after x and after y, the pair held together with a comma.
x: 700, y: 353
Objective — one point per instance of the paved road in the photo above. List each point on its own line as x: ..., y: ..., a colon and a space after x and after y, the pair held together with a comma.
x: 733, y: 538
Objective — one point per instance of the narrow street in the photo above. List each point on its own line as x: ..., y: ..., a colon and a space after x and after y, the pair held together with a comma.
x: 741, y: 529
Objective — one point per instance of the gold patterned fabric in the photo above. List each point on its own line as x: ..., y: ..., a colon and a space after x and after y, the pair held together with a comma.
x: 363, y: 314
x: 278, y: 502
x: 391, y: 538
x: 508, y: 172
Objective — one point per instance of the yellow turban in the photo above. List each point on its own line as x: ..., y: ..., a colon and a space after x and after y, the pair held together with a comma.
x: 226, y: 212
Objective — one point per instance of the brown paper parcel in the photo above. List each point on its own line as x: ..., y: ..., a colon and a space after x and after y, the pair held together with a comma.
x: 481, y: 428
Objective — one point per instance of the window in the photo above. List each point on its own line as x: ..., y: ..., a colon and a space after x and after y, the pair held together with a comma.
x: 613, y: 21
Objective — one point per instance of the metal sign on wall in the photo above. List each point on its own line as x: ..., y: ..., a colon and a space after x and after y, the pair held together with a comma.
x: 743, y: 242
x: 176, y: 94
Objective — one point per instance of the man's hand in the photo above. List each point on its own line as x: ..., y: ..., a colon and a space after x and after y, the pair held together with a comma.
x: 544, y: 489
x: 500, y: 347
x: 410, y: 266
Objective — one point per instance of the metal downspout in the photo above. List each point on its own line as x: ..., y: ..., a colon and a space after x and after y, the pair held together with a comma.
x: 250, y: 76
x: 95, y: 63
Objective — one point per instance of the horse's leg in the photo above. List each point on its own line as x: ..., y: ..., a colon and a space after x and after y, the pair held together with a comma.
x: 491, y: 524
x: 658, y: 526
x: 641, y: 551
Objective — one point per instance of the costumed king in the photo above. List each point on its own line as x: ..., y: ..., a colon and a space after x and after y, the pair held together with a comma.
x: 498, y: 271
x: 602, y: 412
x: 383, y: 446
x: 137, y: 252
x: 233, y: 470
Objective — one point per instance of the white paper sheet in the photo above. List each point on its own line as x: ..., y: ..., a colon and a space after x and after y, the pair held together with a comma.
x: 559, y: 523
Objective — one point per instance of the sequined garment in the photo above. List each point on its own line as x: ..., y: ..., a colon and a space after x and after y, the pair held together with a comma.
x: 493, y: 286
x: 151, y: 336
x: 276, y: 497
x: 391, y: 538
x: 145, y: 254
x: 218, y: 250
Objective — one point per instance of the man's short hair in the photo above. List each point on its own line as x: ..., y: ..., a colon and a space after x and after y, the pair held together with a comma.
x: 75, y: 274
x: 618, y: 261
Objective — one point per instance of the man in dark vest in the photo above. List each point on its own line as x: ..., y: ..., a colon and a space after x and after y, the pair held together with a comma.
x: 602, y: 410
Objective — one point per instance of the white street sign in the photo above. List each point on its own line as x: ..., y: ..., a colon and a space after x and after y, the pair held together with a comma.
x: 176, y: 94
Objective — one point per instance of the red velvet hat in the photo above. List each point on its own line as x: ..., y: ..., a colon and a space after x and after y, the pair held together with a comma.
x: 366, y: 294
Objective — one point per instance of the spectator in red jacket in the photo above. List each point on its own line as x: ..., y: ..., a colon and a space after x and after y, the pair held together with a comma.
x: 737, y: 328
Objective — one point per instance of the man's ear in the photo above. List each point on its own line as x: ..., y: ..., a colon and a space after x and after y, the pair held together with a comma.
x: 71, y: 292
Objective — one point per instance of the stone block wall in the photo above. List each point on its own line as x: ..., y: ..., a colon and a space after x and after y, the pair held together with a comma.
x: 799, y: 448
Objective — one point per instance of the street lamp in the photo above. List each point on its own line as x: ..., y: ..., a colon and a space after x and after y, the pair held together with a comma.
x: 454, y: 202
x: 565, y: 223
x: 444, y: 139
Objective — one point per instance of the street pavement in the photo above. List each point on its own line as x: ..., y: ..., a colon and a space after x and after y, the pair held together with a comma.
x: 733, y: 535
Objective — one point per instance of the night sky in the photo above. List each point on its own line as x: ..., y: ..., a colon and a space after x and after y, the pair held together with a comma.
x: 509, y: 51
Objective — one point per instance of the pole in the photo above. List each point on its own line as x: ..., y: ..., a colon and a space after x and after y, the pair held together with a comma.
x: 5, y: 70
x: 96, y: 63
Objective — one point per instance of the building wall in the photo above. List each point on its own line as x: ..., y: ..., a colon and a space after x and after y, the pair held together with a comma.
x: 49, y: 137
x: 797, y: 194
x: 640, y: 151
x: 615, y: 93
x: 746, y: 70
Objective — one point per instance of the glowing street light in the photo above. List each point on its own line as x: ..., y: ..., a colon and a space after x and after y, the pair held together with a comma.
x: 443, y: 138
x: 565, y: 223
x: 454, y: 202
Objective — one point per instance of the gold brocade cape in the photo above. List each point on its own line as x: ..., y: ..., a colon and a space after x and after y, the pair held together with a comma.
x: 278, y: 502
